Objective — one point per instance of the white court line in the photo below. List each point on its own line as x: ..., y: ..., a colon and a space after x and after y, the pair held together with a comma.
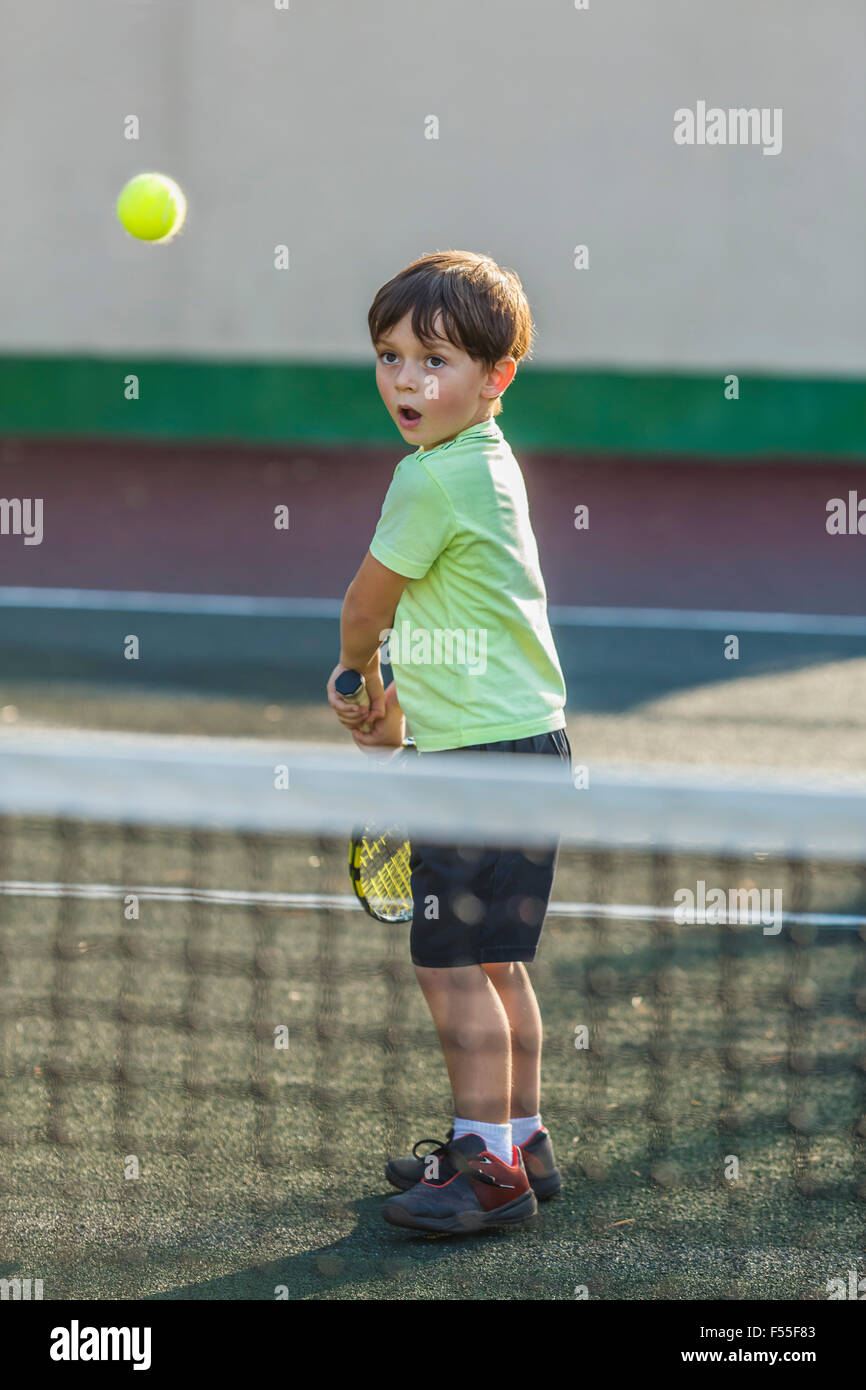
x: 709, y: 620
x: 253, y: 606
x: 206, y: 605
x: 621, y: 912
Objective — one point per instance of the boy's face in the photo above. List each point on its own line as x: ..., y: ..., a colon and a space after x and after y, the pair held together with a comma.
x: 446, y: 389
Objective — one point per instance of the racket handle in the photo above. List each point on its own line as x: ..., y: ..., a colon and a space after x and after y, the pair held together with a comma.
x: 351, y: 686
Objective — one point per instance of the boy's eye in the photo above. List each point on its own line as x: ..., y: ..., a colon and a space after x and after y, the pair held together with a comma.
x: 431, y: 357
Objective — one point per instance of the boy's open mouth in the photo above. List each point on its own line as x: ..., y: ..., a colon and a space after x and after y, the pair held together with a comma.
x: 408, y: 415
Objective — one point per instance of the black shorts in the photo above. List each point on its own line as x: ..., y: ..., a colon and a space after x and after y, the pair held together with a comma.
x: 491, y: 901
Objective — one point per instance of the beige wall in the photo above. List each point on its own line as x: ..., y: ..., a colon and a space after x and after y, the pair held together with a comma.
x: 306, y: 126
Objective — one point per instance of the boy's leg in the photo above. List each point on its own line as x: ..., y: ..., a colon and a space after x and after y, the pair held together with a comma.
x: 477, y: 1179
x: 514, y: 987
x: 475, y: 1035
x: 511, y: 981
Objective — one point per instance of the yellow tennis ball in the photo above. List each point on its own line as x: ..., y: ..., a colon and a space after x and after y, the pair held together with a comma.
x: 151, y: 207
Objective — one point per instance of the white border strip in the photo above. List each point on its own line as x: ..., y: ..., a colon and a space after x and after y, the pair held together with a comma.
x: 252, y: 606
x: 709, y: 620
x: 206, y: 605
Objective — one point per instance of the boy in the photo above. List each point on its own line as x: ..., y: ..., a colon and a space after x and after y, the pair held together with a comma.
x: 454, y: 550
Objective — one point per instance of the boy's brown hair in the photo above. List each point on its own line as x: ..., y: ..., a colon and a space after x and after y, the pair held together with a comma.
x: 484, y: 307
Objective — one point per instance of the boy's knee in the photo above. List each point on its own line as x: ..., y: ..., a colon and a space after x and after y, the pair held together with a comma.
x: 505, y: 973
x: 445, y: 977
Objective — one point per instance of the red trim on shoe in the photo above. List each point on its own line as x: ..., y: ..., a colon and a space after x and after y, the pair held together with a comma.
x: 493, y: 1194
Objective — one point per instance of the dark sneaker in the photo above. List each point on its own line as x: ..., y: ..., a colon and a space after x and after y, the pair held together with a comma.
x: 537, y: 1153
x: 545, y: 1178
x: 471, y: 1190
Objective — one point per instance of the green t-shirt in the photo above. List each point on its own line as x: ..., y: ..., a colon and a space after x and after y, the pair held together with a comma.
x: 471, y: 649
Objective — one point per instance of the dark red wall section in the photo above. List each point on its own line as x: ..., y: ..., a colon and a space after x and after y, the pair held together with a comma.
x: 199, y: 519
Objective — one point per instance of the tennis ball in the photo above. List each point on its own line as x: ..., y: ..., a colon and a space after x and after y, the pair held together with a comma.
x: 151, y: 207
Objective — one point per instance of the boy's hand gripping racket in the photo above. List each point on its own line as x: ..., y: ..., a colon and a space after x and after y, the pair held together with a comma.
x: 351, y: 686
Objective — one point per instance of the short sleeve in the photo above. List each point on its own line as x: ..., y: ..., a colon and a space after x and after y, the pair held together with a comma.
x: 416, y: 524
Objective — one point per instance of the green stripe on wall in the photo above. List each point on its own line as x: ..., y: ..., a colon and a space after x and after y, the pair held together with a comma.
x: 557, y: 410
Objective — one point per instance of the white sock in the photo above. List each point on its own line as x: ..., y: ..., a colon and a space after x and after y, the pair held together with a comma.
x: 497, y: 1138
x: 524, y: 1127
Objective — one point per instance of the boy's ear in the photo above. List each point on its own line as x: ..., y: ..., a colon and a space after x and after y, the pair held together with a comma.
x: 501, y: 377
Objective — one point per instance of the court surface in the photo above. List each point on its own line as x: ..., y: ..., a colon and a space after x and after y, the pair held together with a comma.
x: 645, y: 685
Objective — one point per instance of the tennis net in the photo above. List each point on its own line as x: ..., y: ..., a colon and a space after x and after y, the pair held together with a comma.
x: 199, y: 1024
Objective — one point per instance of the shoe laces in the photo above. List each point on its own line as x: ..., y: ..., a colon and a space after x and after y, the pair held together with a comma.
x: 455, y: 1160
x: 439, y: 1147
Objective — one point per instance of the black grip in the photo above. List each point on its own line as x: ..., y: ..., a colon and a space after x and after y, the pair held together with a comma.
x: 348, y: 683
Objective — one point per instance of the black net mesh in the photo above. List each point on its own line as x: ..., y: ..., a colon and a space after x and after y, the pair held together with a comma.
x: 206, y: 1046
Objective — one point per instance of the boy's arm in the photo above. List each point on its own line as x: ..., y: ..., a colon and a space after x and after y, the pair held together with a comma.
x: 368, y: 610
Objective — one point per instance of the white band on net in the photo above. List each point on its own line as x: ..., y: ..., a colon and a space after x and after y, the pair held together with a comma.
x: 249, y: 785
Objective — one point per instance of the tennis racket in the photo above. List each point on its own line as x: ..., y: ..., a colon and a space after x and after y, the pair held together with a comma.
x: 379, y: 865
